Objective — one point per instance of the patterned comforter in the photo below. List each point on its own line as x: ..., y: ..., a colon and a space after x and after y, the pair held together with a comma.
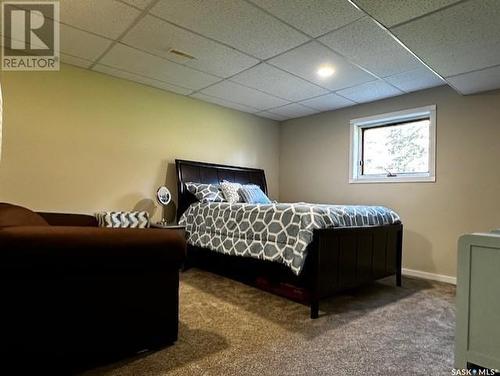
x: 276, y: 232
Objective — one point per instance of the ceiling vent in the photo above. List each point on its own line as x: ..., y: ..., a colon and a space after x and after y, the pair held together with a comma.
x: 182, y: 55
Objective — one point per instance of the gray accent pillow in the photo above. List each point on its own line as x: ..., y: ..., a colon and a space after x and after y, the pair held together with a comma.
x: 230, y: 191
x: 13, y: 215
x: 205, y: 192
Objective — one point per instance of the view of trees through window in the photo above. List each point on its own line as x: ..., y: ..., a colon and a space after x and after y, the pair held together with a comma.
x: 396, y: 149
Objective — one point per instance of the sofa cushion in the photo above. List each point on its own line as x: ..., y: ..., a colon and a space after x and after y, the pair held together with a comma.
x: 13, y: 215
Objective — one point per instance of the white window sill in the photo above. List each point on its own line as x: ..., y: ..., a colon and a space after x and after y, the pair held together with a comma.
x: 395, y: 179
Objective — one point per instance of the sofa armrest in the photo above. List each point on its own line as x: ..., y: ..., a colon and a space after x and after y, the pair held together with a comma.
x: 64, y: 219
x: 71, y: 248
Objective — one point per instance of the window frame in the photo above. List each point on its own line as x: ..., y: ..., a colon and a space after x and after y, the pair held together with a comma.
x: 356, y: 145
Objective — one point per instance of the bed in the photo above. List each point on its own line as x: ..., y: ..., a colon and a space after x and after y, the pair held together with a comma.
x: 337, y: 257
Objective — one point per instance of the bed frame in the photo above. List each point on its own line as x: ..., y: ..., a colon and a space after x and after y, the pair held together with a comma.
x: 338, y: 259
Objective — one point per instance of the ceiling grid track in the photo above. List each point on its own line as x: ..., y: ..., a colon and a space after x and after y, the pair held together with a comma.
x: 135, y: 22
x: 290, y: 53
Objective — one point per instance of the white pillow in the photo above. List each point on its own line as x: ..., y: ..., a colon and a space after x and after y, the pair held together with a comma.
x: 230, y: 191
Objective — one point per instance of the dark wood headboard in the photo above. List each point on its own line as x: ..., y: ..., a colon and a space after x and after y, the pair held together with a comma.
x: 202, y: 172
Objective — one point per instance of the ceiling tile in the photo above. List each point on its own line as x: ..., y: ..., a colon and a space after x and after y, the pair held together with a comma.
x: 158, y: 37
x: 416, y: 79
x: 370, y: 91
x: 233, y: 92
x: 234, y: 22
x: 314, y: 17
x: 224, y: 103
x: 328, y: 102
x: 82, y: 44
x: 292, y: 110
x: 392, y: 12
x: 134, y: 61
x: 140, y: 79
x: 274, y: 81
x: 272, y: 116
x: 305, y: 60
x: 109, y: 18
x: 474, y: 82
x: 138, y: 3
x: 76, y: 61
x: 367, y: 44
x: 458, y: 39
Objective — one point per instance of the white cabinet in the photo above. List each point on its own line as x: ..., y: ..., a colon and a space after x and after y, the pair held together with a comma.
x: 477, y: 335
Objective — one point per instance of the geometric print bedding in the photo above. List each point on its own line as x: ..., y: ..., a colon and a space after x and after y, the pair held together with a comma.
x: 275, y: 232
x: 137, y: 219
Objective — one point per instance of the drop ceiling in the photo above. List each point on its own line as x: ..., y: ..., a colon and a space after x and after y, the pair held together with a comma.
x: 261, y: 56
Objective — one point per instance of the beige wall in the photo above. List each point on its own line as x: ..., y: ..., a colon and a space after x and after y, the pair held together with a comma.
x: 79, y: 141
x: 466, y: 196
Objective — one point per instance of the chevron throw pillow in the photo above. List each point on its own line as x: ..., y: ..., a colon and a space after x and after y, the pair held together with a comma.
x: 134, y: 219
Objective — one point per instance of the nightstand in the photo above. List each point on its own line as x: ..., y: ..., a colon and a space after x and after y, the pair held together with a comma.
x: 170, y: 226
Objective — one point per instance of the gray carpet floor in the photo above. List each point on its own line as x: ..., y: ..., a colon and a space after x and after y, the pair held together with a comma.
x: 228, y: 328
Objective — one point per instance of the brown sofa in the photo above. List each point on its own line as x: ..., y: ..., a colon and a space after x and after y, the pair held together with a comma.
x: 73, y: 293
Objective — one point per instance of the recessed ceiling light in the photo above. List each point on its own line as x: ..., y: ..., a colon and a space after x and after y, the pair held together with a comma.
x: 325, y: 71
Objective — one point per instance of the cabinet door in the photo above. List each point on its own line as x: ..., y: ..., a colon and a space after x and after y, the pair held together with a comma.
x: 478, y: 302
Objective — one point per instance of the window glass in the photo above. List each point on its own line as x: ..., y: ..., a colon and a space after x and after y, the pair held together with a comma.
x: 396, y: 149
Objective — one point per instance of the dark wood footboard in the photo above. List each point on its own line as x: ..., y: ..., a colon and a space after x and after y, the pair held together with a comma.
x: 340, y: 259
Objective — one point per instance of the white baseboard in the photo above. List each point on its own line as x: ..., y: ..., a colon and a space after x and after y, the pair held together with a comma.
x: 431, y: 276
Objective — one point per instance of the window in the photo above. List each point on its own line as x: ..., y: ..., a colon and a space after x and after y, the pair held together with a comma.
x: 395, y: 147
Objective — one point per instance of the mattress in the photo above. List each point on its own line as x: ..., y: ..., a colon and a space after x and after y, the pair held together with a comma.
x: 277, y: 232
